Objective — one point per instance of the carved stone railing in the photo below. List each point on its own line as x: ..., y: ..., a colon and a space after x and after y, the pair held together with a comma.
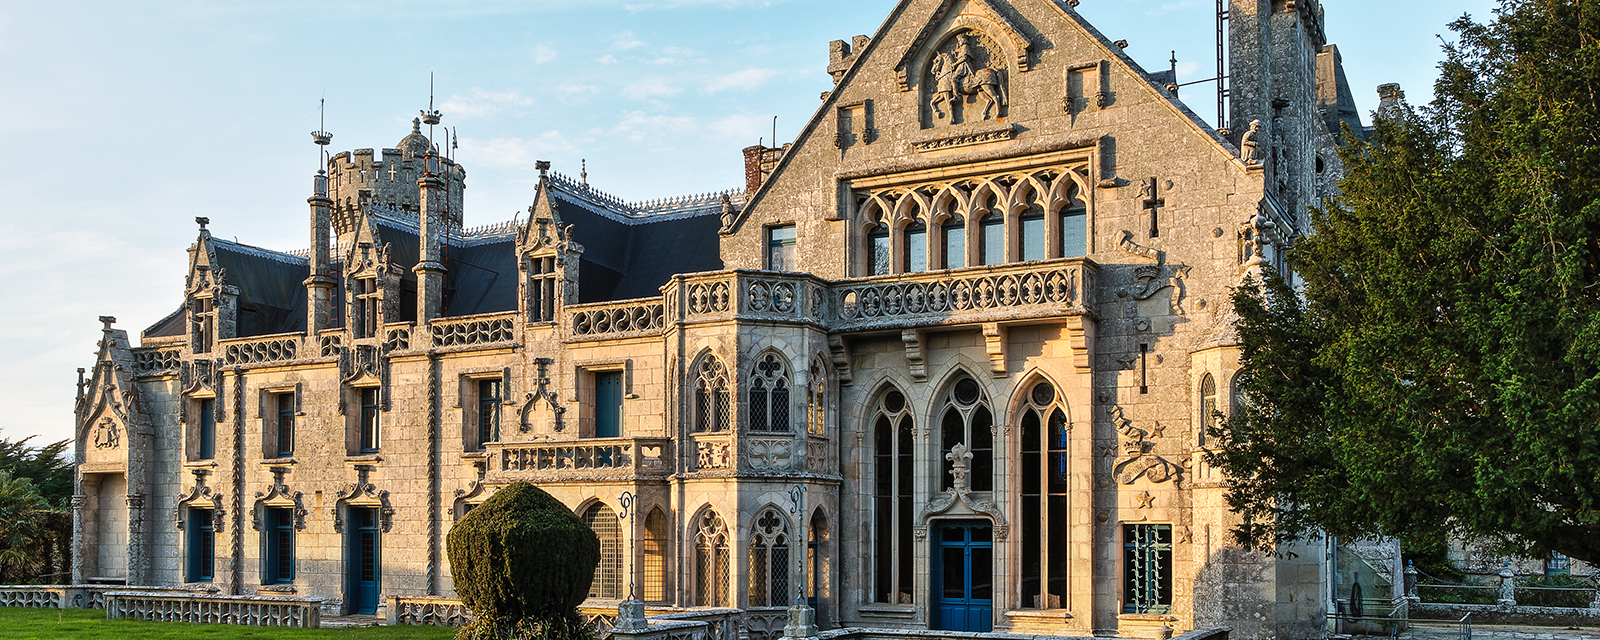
x: 764, y: 295
x: 242, y: 610
x: 328, y: 345
x: 609, y: 321
x: 489, y: 329
x: 764, y: 623
x: 721, y: 624
x: 81, y: 596
x: 582, y: 458
x: 279, y: 348
x: 157, y: 362
x: 397, y: 337
x: 430, y: 611
x: 990, y: 294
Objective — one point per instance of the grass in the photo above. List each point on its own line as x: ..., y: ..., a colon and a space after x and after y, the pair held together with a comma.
x: 18, y: 623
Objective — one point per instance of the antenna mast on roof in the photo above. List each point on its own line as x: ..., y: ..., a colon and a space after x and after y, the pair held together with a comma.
x: 430, y: 116
x: 321, y: 136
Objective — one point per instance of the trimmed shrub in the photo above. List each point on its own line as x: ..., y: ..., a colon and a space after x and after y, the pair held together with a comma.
x: 522, y: 561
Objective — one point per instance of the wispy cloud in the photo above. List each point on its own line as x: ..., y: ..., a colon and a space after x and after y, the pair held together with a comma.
x: 740, y: 80
x: 480, y: 103
x: 607, y: 59
x: 626, y: 41
x: 638, y: 126
x: 514, y: 153
x: 543, y: 53
x: 648, y: 88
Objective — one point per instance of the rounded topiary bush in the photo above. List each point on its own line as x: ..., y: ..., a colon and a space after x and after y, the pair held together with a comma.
x: 522, y: 562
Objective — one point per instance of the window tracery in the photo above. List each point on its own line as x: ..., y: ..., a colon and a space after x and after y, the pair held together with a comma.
x: 966, y: 419
x: 892, y: 499
x: 769, y: 395
x: 710, y: 395
x: 1042, y: 489
x: 607, y: 581
x: 711, y: 560
x: 769, y: 560
x: 817, y: 398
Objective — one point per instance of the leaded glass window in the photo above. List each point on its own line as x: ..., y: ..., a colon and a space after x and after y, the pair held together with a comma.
x: 655, y: 557
x: 769, y: 395
x: 710, y: 395
x: 769, y: 560
x: 1042, y: 487
x: 711, y: 561
x: 967, y: 419
x: 1209, y: 416
x: 817, y: 399
x: 607, y: 581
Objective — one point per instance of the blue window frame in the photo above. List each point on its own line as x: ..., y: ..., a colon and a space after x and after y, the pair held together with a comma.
x: 608, y: 404
x: 206, y: 447
x: 279, y: 556
x: 201, y: 538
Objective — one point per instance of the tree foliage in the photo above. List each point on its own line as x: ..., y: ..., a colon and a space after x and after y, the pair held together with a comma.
x: 1440, y: 375
x: 46, y: 466
x: 523, y: 562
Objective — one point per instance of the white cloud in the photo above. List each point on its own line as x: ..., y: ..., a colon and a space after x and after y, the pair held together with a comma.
x: 606, y: 59
x: 514, y: 152
x: 482, y: 103
x: 648, y: 88
x: 741, y: 80
x: 543, y: 53
x: 626, y: 41
x: 638, y: 126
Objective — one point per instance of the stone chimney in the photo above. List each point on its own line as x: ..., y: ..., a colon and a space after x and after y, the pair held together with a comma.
x: 429, y: 269
x: 759, y: 162
x: 1391, y: 101
x: 320, y: 283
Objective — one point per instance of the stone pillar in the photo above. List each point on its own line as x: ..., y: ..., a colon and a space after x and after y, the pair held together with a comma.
x: 138, y: 556
x: 430, y: 272
x: 630, y: 616
x: 80, y: 542
x: 802, y: 622
x: 1508, y: 587
x: 1411, y: 583
x: 320, y: 284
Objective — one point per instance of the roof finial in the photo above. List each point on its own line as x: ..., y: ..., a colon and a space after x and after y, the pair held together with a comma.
x: 584, y: 176
x: 202, y: 221
x: 544, y: 168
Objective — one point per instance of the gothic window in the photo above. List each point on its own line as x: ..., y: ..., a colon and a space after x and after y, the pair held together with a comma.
x: 488, y: 411
x: 769, y: 560
x: 1557, y: 565
x: 200, y: 545
x: 1031, y: 239
x: 655, y: 557
x: 1208, y: 407
x: 278, y: 540
x: 916, y: 246
x: 878, y: 253
x: 816, y: 571
x: 992, y: 234
x: 954, y: 231
x: 1146, y: 568
x: 542, y: 289
x: 711, y: 561
x: 368, y: 301
x: 710, y: 395
x: 203, y: 314
x: 817, y: 399
x: 1043, y: 491
x: 780, y: 248
x: 892, y: 485
x: 607, y: 581
x: 968, y: 421
x: 371, y: 421
x: 769, y: 395
x: 1074, y: 232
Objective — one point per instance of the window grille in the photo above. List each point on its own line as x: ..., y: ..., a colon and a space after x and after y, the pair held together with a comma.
x: 655, y: 557
x: 607, y: 581
x: 711, y: 561
x: 1147, y: 568
x: 769, y: 561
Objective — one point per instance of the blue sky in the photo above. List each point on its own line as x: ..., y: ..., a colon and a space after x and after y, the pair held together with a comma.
x: 127, y: 120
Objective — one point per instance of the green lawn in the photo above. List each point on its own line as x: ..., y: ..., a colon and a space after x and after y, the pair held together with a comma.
x: 17, y: 623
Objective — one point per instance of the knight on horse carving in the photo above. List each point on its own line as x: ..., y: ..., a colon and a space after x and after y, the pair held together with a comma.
x: 956, y: 79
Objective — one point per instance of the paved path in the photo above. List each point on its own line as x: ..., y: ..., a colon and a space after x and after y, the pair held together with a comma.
x: 345, y: 622
x: 1452, y: 631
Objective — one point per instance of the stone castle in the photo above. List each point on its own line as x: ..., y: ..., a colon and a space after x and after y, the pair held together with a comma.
x: 946, y: 362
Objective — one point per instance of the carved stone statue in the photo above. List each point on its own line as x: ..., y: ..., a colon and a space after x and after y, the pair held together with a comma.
x: 1249, y: 148
x: 957, y: 75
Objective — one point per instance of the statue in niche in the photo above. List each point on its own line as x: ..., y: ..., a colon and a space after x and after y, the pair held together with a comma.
x: 960, y: 73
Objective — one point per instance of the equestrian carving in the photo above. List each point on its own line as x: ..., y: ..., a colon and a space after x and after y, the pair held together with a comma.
x: 961, y: 74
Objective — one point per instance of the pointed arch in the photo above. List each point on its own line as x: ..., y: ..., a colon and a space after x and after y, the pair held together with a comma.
x: 1209, y: 413
x: 607, y: 581
x: 817, y: 396
x: 709, y: 534
x: 770, y: 543
x: 1044, y: 460
x: 891, y: 426
x: 964, y: 417
x: 654, y: 549
x: 709, y: 394
x: 819, y: 561
x: 768, y: 392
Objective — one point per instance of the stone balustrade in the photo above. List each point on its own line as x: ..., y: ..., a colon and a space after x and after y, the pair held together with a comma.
x: 496, y: 329
x: 427, y: 611
x: 637, y: 457
x: 157, y: 362
x: 999, y: 293
x: 613, y: 320
x: 214, y: 609
x: 260, y: 350
x: 80, y: 596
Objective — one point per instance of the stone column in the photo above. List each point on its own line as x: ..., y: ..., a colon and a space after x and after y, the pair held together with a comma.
x: 430, y: 272
x: 1411, y: 584
x: 138, y: 556
x: 1508, y: 587
x: 80, y: 544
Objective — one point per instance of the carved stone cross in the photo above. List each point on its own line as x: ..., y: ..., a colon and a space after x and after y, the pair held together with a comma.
x: 1153, y: 203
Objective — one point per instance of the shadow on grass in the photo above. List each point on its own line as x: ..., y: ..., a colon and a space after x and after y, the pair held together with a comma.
x: 17, y: 623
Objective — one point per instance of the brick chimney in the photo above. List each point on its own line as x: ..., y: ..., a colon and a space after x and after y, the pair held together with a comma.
x: 752, y: 167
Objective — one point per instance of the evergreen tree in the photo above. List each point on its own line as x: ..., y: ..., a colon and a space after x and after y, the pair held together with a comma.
x: 1440, y: 375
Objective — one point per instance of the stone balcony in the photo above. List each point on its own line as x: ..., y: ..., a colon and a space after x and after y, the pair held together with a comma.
x: 628, y: 459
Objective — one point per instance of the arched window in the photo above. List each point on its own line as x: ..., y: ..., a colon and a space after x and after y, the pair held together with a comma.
x: 608, y: 575
x: 769, y: 395
x: 655, y: 557
x: 711, y: 561
x: 1043, y: 492
x: 966, y: 420
x: 710, y: 395
x: 916, y: 246
x: 1208, y: 408
x: 1074, y: 231
x: 992, y: 233
x: 892, y: 484
x: 954, y: 231
x: 878, y: 255
x: 817, y: 398
x: 1032, y: 243
x: 818, y: 568
x: 769, y: 560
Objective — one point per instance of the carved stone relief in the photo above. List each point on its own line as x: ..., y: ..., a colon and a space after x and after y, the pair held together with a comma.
x: 966, y: 80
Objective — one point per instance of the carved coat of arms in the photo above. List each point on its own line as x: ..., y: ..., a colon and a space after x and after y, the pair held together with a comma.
x: 106, y: 436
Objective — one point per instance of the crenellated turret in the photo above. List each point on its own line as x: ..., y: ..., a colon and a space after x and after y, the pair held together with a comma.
x: 389, y: 180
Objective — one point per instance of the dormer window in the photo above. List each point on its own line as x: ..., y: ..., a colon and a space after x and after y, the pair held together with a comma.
x: 367, y: 307
x: 203, y: 319
x: 542, y: 289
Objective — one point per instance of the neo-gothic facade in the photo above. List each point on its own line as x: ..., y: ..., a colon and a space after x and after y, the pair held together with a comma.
x: 946, y: 362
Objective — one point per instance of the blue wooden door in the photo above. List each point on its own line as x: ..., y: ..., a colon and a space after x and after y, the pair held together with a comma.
x: 364, y: 567
x: 963, y: 577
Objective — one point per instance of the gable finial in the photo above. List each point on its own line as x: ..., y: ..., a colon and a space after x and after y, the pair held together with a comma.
x: 544, y: 169
x: 108, y: 321
x: 202, y: 221
x: 583, y: 176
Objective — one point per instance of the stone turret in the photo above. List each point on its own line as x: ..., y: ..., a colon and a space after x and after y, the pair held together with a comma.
x: 1273, y: 49
x: 389, y: 179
